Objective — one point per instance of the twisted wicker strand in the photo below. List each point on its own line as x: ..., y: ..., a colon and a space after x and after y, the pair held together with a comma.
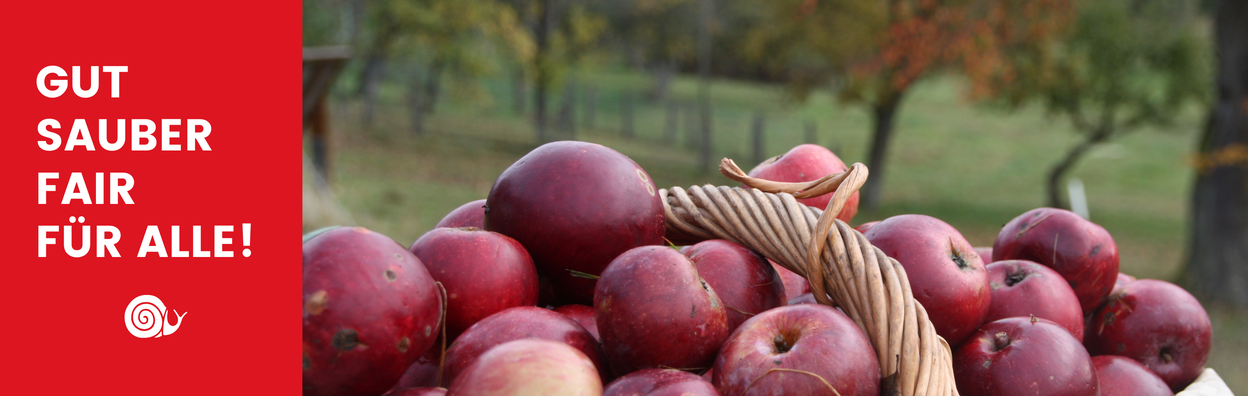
x: 869, y: 286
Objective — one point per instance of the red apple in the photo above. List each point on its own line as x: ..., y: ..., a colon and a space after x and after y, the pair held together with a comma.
x: 1024, y: 288
x: 575, y: 206
x: 862, y: 228
x: 654, y: 311
x: 1123, y: 280
x: 1120, y: 376
x: 1082, y: 251
x: 946, y: 275
x: 483, y: 273
x: 787, y: 350
x: 529, y: 367
x: 423, y: 373
x: 1023, y: 356
x: 417, y: 392
x: 369, y: 310
x: 794, y: 284
x: 985, y: 253
x: 521, y: 323
x: 1158, y: 324
x: 583, y: 315
x: 471, y: 214
x: 805, y: 163
x: 660, y: 382
x: 744, y: 281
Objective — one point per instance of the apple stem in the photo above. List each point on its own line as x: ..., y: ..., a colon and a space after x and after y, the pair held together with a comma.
x: 1001, y: 340
x: 781, y: 344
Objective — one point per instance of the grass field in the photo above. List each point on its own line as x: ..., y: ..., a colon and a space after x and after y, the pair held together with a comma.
x: 975, y: 168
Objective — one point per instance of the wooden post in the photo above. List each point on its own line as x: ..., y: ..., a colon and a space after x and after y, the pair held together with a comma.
x: 670, y: 121
x: 757, y: 133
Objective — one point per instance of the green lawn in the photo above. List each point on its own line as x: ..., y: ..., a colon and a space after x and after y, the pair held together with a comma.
x: 972, y: 167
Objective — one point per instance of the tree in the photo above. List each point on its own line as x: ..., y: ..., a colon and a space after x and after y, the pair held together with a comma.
x: 1219, y: 231
x: 1123, y: 65
x: 873, y: 52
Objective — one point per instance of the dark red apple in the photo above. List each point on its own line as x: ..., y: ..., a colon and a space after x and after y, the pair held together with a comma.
x: 417, y: 392
x: 471, y: 214
x: 660, y: 382
x: 745, y: 282
x: 654, y: 311
x: 529, y: 367
x: 805, y: 163
x: 521, y: 323
x: 483, y: 273
x: 575, y: 206
x: 794, y: 284
x: 1023, y: 356
x: 787, y: 350
x: 1082, y: 251
x: 583, y: 315
x: 423, y: 373
x: 985, y: 253
x: 369, y: 310
x: 1120, y: 376
x: 1156, y: 323
x: 946, y: 275
x: 862, y: 228
x: 1024, y: 288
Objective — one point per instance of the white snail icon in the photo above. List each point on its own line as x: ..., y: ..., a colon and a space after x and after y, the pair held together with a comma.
x: 146, y: 318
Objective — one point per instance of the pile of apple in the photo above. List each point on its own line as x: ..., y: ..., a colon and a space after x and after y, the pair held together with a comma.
x: 560, y: 282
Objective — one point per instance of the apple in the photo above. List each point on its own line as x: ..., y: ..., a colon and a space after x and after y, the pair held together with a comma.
x: 417, y: 392
x: 985, y: 253
x: 1123, y: 280
x: 370, y: 309
x: 471, y: 214
x: 1024, y: 288
x: 794, y: 284
x: 660, y: 382
x: 423, y: 373
x: 1120, y: 376
x: 862, y: 228
x: 805, y: 163
x: 788, y: 350
x: 575, y: 206
x: 1023, y: 356
x: 1082, y: 251
x: 1156, y: 323
x: 946, y: 275
x: 583, y: 315
x: 745, y: 282
x: 654, y: 311
x: 521, y: 323
x: 483, y: 273
x: 529, y: 367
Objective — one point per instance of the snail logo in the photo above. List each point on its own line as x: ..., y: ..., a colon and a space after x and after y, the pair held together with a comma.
x: 146, y: 318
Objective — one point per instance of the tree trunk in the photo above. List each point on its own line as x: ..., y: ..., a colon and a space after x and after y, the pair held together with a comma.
x: 371, y: 74
x: 883, y: 113
x: 1058, y: 173
x: 1217, y: 266
x: 543, y: 77
x: 662, y: 80
x: 433, y: 87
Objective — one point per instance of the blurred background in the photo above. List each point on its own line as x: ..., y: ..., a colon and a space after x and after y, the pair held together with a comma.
x: 1130, y: 112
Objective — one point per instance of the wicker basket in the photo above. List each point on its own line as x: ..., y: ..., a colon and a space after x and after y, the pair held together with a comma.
x: 869, y: 286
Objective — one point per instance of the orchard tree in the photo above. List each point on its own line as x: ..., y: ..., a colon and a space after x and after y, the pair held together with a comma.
x: 1218, y: 254
x: 1123, y: 65
x: 873, y: 52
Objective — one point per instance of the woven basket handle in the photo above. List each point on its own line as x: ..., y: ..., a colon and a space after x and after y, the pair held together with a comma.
x: 870, y: 287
